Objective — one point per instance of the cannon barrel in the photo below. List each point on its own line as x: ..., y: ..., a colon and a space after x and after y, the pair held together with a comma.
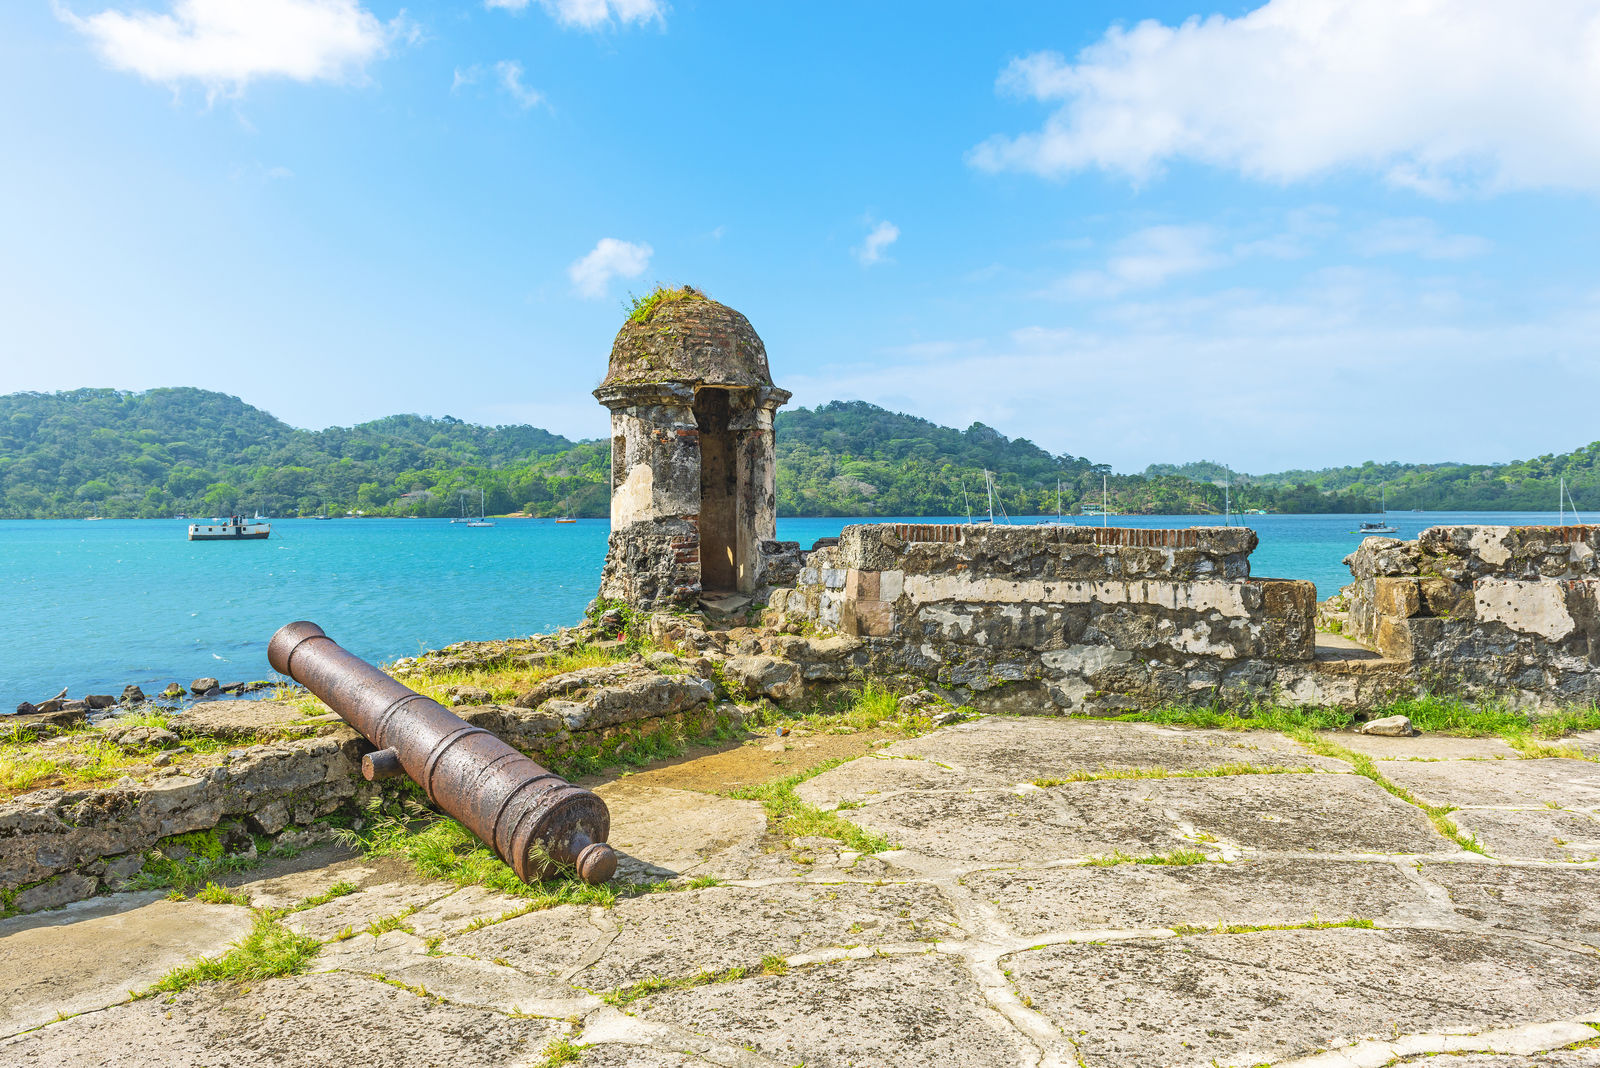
x: 531, y: 817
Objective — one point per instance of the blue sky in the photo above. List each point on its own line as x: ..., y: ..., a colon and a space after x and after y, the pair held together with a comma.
x: 1303, y: 233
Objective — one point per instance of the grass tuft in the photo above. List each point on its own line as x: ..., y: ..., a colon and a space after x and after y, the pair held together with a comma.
x: 794, y: 818
x: 268, y: 950
x: 561, y: 1051
x: 221, y: 895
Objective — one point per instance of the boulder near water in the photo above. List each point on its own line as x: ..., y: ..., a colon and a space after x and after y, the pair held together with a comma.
x: 132, y: 695
x: 98, y: 701
x: 202, y: 686
x: 173, y: 691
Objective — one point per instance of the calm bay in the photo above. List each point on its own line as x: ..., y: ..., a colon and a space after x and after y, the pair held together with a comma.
x: 96, y: 605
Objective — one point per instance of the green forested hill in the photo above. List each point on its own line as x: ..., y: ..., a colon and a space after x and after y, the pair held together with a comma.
x: 164, y: 451
x: 167, y: 451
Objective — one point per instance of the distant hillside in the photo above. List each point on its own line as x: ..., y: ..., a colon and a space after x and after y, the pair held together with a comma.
x: 160, y: 452
x: 168, y: 451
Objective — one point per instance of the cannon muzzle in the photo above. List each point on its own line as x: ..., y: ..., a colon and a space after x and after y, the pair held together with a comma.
x: 531, y: 817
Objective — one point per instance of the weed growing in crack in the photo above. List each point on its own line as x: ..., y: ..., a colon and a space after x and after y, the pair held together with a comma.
x: 1184, y: 930
x: 270, y: 949
x: 1178, y: 858
x: 1366, y: 767
x: 794, y: 818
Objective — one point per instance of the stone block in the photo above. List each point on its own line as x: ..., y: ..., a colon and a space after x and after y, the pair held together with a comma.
x: 1288, y: 619
x: 1393, y: 639
x: 891, y: 584
x: 861, y: 585
x: 1397, y: 598
x: 834, y: 578
x: 874, y: 619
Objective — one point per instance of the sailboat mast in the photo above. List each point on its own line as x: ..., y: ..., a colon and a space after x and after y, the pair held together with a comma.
x: 988, y: 485
x: 1105, y: 501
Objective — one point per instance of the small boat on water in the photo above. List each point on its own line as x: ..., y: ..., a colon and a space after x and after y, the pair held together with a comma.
x: 565, y: 519
x: 479, y: 520
x: 234, y: 528
x: 1379, y: 526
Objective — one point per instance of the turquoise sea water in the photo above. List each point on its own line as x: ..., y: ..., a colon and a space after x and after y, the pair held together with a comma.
x: 95, y: 606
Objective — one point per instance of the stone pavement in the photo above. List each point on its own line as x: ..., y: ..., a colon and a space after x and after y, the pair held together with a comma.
x: 1303, y: 915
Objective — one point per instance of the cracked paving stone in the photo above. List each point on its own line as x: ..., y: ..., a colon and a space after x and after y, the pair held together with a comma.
x: 1532, y: 834
x: 1001, y: 751
x: 999, y: 826
x: 1565, y: 782
x: 1268, y: 996
x: 317, y: 1019
x: 1423, y: 747
x: 91, y: 955
x: 1582, y: 1057
x: 682, y: 934
x: 458, y: 911
x: 917, y: 1010
x: 872, y: 777
x: 619, y: 1055
x: 1267, y: 891
x: 1563, y: 902
x: 365, y: 907
x: 471, y: 981
x: 664, y: 832
x: 549, y: 942
x: 1295, y: 813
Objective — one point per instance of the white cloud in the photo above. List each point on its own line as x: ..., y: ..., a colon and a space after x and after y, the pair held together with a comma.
x: 1144, y: 260
x: 507, y: 76
x: 226, y: 44
x: 510, y: 72
x: 591, y: 14
x: 872, y: 250
x: 1435, y: 95
x: 608, y: 259
x: 1323, y: 373
x: 1416, y: 237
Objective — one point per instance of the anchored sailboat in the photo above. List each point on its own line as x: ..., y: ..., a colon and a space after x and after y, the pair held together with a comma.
x: 1381, y: 526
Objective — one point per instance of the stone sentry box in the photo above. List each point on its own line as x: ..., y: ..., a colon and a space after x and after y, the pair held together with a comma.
x: 693, y: 474
x: 1079, y: 618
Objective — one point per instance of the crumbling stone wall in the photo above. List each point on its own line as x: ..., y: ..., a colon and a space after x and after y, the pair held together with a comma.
x: 1512, y: 611
x: 1080, y: 619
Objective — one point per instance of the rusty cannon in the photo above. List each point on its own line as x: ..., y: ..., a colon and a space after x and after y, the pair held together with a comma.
x: 532, y: 818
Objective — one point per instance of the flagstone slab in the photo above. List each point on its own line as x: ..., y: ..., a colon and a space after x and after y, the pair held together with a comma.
x: 1266, y: 891
x: 1561, y: 781
x: 326, y: 1019
x: 1269, y: 996
x: 93, y: 954
x: 917, y: 1010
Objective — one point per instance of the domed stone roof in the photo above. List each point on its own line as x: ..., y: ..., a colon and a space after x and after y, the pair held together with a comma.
x: 682, y: 336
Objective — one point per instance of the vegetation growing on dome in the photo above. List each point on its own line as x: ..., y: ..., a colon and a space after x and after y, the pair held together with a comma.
x: 641, y: 309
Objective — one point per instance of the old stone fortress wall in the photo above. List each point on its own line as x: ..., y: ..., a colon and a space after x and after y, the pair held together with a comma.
x: 1051, y: 617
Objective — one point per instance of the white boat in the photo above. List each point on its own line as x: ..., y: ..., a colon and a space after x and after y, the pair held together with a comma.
x: 234, y: 528
x: 481, y: 520
x: 1380, y: 526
